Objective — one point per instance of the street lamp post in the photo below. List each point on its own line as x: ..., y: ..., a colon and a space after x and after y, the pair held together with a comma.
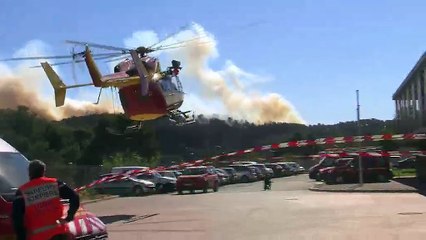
x: 361, y: 174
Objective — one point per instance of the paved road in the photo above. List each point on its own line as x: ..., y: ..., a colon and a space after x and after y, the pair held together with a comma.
x: 244, y: 211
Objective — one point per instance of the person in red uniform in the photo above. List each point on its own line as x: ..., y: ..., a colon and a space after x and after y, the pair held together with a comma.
x: 37, y: 208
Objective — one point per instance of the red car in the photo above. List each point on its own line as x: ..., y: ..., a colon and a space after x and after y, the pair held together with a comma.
x: 85, y: 225
x: 197, y: 178
x: 325, y: 162
x: 375, y: 169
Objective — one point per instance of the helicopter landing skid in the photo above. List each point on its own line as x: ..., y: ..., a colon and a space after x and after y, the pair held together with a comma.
x: 180, y: 118
x: 127, y: 131
x: 134, y: 128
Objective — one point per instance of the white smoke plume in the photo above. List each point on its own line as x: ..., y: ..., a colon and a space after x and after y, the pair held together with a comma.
x: 24, y: 86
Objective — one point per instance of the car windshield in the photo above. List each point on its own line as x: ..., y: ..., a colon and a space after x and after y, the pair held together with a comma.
x: 327, y: 162
x: 143, y: 176
x: 239, y: 168
x: 167, y: 174
x: 194, y: 171
x: 148, y: 176
x: 229, y: 170
x: 13, y: 171
x: 342, y: 162
x: 260, y: 166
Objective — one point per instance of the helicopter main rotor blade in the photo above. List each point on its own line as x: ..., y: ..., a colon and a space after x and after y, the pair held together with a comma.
x: 100, y: 57
x: 179, y: 43
x: 172, y: 35
x: 58, y: 57
x: 36, y: 58
x: 95, y: 45
x: 118, y: 58
x: 185, y: 45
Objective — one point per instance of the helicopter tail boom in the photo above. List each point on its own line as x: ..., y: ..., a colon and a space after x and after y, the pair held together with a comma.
x: 58, y: 85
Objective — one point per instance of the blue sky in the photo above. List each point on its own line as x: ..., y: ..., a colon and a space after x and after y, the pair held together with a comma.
x: 317, y: 52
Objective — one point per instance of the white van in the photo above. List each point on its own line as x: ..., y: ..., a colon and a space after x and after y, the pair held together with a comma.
x: 13, y: 169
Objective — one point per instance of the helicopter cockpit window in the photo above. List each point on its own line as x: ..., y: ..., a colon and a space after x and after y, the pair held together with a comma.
x: 168, y: 84
x: 174, y: 81
x: 117, y: 68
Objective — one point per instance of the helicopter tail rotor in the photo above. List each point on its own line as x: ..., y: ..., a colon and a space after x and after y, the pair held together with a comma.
x: 58, y: 85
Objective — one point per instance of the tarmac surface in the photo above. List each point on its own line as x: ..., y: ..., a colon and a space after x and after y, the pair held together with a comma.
x: 245, y: 211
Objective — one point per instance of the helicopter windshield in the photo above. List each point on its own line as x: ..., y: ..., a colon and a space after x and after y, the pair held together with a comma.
x: 170, y: 84
x: 175, y: 83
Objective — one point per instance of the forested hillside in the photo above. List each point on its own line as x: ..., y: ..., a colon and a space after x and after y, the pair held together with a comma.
x: 98, y: 139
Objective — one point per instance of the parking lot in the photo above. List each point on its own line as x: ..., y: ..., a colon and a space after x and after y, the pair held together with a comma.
x: 245, y: 211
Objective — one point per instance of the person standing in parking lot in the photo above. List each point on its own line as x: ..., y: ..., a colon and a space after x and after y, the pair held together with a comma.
x: 267, y: 182
x: 37, y: 209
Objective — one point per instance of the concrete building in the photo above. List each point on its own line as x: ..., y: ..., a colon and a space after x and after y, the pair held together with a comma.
x: 410, y: 102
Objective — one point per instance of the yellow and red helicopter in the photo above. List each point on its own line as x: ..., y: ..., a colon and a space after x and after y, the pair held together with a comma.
x: 146, y: 91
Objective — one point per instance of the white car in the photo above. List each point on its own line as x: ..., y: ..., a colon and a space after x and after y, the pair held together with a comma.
x: 244, y: 162
x: 170, y: 173
x: 162, y: 184
x: 129, y: 185
x: 245, y: 173
x: 123, y: 169
x: 296, y: 167
x: 265, y: 170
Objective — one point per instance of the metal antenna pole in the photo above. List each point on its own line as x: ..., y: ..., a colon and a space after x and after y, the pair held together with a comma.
x: 361, y: 174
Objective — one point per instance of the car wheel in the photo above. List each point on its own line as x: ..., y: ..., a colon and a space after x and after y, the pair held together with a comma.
x: 329, y: 179
x: 318, y: 177
x: 381, y: 178
x: 137, y: 191
x: 390, y: 175
x: 244, y: 179
x: 339, y: 179
x: 159, y: 187
x: 216, y: 187
x: 169, y: 187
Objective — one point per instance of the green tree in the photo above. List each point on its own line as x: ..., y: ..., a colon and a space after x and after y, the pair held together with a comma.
x: 126, y: 159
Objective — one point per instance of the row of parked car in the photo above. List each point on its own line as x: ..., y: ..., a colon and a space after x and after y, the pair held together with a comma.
x: 193, y: 178
x: 253, y: 171
x: 343, y: 170
x: 146, y: 182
